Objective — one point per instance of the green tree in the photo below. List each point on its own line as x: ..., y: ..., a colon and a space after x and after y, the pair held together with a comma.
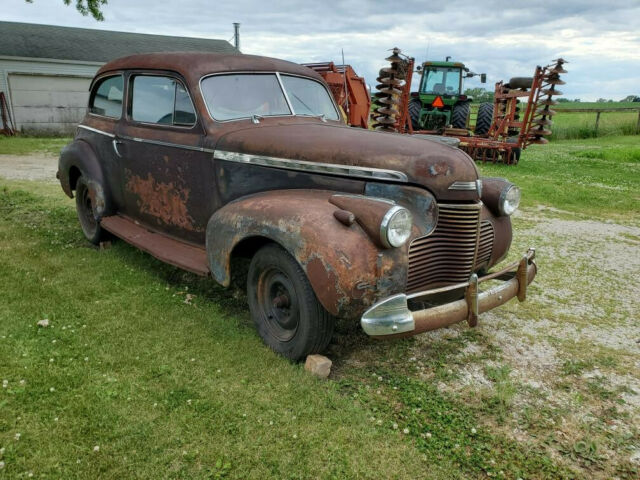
x: 479, y: 94
x: 86, y: 7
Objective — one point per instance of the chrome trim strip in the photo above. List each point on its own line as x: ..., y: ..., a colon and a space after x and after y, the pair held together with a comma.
x: 315, y: 167
x: 462, y: 206
x: 168, y: 144
x: 95, y: 130
x: 467, y: 186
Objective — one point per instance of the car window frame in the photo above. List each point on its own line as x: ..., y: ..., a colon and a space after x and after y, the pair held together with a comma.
x: 129, y: 100
x: 93, y: 86
x: 277, y: 73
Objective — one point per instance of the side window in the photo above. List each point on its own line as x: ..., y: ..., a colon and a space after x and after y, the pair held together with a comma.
x: 161, y: 100
x: 106, y: 97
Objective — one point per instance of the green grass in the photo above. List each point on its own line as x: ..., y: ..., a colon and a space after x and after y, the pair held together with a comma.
x: 22, y: 145
x: 593, y: 177
x: 165, y: 389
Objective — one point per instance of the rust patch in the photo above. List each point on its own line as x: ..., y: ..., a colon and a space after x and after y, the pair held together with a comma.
x: 164, y: 201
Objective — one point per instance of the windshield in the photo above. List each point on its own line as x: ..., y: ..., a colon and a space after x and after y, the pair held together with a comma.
x: 244, y: 95
x: 441, y: 80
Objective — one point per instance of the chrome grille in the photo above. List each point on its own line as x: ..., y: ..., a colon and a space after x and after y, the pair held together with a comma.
x: 485, y: 244
x: 446, y: 256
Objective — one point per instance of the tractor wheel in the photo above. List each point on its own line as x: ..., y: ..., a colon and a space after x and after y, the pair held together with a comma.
x: 484, y: 119
x: 520, y: 82
x: 460, y: 115
x: 415, y: 105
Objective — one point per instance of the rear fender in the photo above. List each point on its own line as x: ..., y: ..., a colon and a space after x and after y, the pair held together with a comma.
x: 346, y: 269
x: 79, y: 156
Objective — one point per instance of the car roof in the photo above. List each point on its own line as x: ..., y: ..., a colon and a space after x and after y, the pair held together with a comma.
x: 194, y: 65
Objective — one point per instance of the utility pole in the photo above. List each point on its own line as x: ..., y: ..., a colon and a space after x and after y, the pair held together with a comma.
x: 236, y: 35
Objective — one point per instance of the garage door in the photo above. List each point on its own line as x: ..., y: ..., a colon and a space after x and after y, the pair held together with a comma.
x: 50, y: 103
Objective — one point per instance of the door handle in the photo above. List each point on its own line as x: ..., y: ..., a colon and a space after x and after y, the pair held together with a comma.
x: 115, y: 144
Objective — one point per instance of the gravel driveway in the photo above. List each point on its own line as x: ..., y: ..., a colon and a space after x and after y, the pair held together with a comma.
x: 38, y: 166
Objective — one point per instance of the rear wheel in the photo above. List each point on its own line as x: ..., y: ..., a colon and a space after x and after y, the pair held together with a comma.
x: 484, y: 119
x: 460, y: 115
x: 415, y: 105
x: 86, y: 213
x: 285, y: 310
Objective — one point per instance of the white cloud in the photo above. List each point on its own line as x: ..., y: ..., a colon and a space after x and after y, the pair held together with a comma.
x: 500, y: 37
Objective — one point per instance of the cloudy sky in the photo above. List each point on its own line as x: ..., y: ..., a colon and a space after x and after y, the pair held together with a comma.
x: 503, y: 38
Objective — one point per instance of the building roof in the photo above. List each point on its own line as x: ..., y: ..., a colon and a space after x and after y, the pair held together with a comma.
x: 194, y: 65
x: 90, y: 45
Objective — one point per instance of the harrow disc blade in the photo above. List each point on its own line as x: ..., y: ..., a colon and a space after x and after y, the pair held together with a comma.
x: 551, y: 91
x: 547, y: 102
x: 390, y: 81
x: 539, y: 140
x: 394, y: 58
x: 387, y: 111
x: 389, y: 71
x: 389, y: 101
x: 540, y: 132
x: 542, y: 121
x: 388, y: 90
x: 555, y: 81
x: 385, y: 120
x: 545, y: 111
x: 557, y: 69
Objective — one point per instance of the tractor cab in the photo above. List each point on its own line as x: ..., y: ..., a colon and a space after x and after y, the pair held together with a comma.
x: 439, y: 102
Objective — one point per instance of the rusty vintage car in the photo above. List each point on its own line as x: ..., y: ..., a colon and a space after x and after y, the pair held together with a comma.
x: 201, y: 159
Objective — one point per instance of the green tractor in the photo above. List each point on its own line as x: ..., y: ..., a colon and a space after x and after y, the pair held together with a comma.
x: 439, y: 103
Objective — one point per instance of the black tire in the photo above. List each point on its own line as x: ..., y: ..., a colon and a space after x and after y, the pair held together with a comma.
x: 515, y: 152
x: 86, y: 214
x: 300, y: 325
x: 415, y: 105
x: 520, y: 82
x: 460, y: 115
x: 484, y: 119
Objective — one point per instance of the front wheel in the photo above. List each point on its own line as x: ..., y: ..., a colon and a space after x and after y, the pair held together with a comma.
x: 285, y: 310
x: 86, y: 213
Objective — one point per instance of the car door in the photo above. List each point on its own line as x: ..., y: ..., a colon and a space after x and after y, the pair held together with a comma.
x: 99, y: 126
x: 167, y: 175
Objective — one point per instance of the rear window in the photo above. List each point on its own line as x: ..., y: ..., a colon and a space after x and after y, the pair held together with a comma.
x: 106, y: 97
x: 161, y: 100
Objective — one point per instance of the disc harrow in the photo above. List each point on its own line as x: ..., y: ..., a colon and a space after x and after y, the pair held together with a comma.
x: 391, y: 81
x: 536, y: 129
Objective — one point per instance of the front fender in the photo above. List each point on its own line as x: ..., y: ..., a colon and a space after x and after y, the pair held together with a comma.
x: 346, y: 269
x: 81, y: 156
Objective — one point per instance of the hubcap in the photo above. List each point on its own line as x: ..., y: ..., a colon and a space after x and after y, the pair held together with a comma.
x: 278, y: 303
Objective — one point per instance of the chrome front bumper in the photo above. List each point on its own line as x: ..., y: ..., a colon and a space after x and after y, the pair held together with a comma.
x: 391, y: 317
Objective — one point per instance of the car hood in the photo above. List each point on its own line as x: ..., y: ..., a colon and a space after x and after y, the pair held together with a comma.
x: 425, y: 162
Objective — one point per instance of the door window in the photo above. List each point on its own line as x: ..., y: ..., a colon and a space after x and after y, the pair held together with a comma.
x: 161, y: 100
x: 106, y: 97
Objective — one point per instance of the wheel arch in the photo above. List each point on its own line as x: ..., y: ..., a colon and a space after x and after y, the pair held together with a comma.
x: 345, y: 268
x: 79, y: 159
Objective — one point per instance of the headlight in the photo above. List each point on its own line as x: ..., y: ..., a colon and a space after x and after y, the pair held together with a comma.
x: 395, y: 227
x: 509, y: 200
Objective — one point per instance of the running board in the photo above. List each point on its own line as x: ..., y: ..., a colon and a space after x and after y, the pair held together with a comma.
x: 163, y: 247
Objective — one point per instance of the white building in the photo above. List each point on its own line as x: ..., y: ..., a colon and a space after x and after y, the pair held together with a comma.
x: 45, y: 70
